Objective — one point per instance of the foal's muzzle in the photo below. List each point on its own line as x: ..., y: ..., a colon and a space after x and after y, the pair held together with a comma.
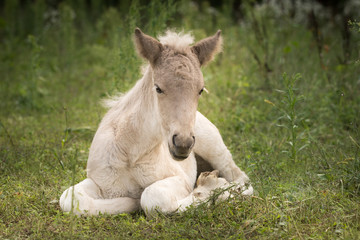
x: 181, y: 146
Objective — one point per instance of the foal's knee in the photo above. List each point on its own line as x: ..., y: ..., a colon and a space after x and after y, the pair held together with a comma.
x: 155, y: 199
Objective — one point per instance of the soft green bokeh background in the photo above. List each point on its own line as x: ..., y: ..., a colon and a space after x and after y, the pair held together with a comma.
x: 285, y: 94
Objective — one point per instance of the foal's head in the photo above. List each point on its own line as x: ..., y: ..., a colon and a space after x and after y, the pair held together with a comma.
x: 178, y: 83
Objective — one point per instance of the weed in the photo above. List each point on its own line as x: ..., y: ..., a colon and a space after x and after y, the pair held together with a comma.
x: 291, y: 116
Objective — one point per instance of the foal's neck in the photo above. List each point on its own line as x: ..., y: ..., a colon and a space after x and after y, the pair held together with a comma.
x: 146, y: 92
x: 144, y: 122
x: 146, y: 106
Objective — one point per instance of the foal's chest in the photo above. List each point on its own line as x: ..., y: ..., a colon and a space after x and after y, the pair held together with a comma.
x: 158, y: 165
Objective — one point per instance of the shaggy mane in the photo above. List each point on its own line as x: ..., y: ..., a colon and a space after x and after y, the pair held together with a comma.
x: 179, y: 41
x: 111, y: 101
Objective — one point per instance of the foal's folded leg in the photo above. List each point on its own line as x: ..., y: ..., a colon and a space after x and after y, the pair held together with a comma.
x: 210, y: 146
x: 165, y: 196
x: 84, y: 199
x: 207, y: 183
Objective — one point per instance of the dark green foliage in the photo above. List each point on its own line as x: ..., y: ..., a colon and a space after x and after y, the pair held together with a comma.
x: 285, y: 94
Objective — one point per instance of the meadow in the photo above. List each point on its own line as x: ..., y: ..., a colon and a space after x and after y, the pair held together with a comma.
x: 284, y: 93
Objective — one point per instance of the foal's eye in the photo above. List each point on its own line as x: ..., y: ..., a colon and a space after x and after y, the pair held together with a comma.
x: 158, y: 90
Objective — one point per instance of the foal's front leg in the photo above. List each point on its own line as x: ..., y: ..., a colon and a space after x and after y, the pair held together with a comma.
x: 210, y: 146
x: 166, y: 196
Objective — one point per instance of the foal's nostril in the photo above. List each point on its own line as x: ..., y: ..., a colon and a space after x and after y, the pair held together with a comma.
x: 173, y: 139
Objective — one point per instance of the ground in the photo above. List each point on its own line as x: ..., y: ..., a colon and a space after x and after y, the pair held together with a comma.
x: 284, y: 94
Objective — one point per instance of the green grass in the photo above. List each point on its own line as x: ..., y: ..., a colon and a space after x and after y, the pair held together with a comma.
x: 296, y: 134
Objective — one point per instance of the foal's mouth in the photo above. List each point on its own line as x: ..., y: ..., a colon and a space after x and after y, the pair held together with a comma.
x: 178, y: 157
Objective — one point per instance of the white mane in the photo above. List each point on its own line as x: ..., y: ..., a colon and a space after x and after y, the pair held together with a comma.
x: 178, y: 41
x: 112, y: 101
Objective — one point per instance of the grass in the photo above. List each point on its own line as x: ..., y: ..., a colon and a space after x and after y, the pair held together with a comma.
x: 296, y: 137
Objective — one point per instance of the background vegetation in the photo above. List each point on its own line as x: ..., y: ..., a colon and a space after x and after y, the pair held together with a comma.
x: 285, y: 94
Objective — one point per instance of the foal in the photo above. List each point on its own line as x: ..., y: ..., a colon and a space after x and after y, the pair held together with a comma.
x: 145, y: 151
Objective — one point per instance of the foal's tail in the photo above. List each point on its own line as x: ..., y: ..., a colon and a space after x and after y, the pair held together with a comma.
x: 83, y: 199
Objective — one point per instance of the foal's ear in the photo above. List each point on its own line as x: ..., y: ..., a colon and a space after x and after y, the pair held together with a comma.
x: 147, y: 47
x: 207, y: 48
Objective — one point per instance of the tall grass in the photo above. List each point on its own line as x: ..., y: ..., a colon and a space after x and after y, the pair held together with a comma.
x: 59, y: 60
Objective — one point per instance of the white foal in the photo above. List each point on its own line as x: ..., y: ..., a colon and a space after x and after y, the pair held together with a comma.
x: 144, y: 152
